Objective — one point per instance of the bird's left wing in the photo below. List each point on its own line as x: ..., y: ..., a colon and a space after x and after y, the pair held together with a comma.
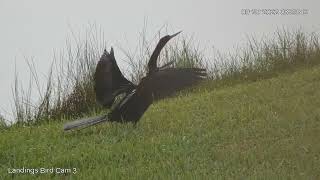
x: 109, y: 81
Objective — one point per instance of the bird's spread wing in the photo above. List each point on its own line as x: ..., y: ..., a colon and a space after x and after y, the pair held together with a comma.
x: 152, y: 64
x: 161, y: 84
x: 168, y: 81
x: 109, y: 81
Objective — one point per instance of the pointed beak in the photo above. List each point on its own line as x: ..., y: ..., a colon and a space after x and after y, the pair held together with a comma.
x: 173, y: 35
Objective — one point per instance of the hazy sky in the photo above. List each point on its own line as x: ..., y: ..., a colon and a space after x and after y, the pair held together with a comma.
x: 35, y: 28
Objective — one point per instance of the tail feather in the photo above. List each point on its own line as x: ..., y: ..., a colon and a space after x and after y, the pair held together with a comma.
x: 86, y: 122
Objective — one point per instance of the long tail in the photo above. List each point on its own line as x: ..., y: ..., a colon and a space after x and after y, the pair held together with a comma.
x: 86, y: 122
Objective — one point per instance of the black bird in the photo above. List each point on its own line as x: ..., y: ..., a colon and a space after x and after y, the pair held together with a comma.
x: 158, y: 83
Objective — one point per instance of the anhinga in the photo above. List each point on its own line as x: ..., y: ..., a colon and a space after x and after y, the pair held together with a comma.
x: 160, y: 82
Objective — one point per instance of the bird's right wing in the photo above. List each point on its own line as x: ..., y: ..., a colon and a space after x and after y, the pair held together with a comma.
x: 168, y: 81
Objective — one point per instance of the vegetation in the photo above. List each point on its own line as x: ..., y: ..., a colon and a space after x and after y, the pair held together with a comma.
x: 256, y: 130
x: 256, y: 117
x: 2, y: 122
x: 69, y: 90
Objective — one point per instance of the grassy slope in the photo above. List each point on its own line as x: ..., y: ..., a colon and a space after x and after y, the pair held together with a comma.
x: 267, y: 129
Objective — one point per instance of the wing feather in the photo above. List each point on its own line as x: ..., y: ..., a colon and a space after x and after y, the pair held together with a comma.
x: 109, y: 81
x: 166, y: 82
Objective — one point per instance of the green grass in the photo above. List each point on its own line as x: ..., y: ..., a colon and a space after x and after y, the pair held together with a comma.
x: 267, y: 129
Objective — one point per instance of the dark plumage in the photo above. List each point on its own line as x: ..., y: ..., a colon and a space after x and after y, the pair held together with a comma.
x: 159, y: 83
x: 109, y: 81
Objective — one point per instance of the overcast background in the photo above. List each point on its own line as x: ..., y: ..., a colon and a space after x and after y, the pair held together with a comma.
x: 35, y: 28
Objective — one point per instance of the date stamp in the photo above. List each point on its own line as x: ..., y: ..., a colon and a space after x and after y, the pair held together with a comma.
x: 274, y: 12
